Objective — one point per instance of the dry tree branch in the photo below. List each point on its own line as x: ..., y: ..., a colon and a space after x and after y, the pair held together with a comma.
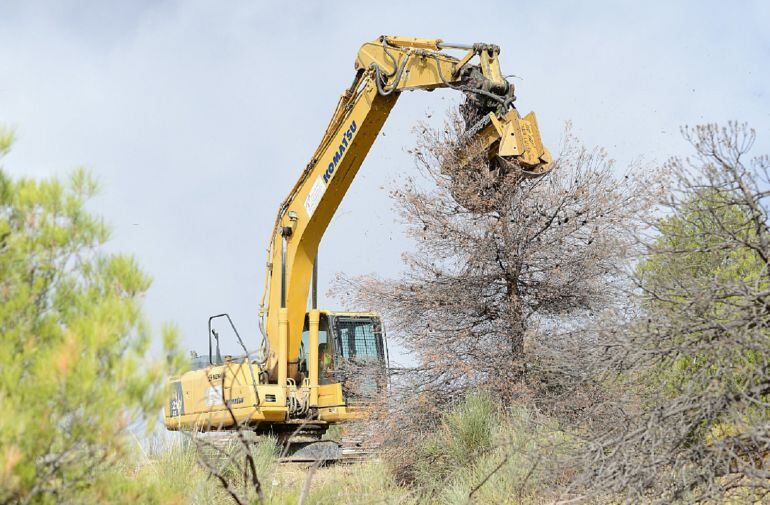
x: 248, y: 469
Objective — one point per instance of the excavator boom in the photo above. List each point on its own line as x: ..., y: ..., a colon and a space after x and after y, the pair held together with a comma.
x: 384, y: 68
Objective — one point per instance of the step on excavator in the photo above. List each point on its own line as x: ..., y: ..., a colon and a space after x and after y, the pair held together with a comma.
x: 299, y: 380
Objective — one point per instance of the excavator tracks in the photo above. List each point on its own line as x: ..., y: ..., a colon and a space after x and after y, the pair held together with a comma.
x: 217, y: 448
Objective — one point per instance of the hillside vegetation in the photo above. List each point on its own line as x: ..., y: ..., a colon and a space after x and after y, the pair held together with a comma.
x: 591, y: 336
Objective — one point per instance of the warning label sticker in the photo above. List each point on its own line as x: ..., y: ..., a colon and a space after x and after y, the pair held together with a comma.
x: 316, y: 192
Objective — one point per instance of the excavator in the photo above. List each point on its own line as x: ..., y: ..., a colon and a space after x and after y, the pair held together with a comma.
x: 293, y: 386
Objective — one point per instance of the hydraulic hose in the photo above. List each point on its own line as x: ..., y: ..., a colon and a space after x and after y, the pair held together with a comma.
x: 379, y: 80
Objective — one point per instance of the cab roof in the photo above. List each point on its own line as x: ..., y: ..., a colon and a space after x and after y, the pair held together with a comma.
x: 349, y: 314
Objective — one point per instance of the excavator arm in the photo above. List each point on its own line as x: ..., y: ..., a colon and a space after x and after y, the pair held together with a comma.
x: 384, y: 68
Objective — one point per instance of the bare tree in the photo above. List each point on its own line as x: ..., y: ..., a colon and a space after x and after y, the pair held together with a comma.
x: 696, y: 357
x: 231, y: 459
x: 501, y: 262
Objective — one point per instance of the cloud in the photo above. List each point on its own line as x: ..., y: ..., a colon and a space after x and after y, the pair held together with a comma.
x: 197, y: 117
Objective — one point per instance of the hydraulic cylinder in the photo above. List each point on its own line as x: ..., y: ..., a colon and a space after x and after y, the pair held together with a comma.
x: 314, y: 318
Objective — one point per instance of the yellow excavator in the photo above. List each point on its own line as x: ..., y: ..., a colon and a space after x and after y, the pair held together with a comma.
x: 296, y: 383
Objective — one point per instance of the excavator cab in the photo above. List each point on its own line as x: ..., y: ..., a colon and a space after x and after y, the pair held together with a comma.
x: 352, y: 350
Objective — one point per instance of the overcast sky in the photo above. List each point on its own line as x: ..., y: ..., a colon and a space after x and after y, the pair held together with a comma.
x: 197, y: 117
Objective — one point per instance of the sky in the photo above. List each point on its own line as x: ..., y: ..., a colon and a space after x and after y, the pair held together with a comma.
x: 197, y: 117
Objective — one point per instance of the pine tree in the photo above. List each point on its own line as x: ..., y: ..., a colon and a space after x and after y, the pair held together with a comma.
x: 74, y: 372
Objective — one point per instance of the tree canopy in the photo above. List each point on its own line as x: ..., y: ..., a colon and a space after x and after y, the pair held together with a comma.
x: 74, y: 372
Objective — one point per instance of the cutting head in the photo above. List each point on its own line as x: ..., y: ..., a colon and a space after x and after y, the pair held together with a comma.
x: 493, y: 156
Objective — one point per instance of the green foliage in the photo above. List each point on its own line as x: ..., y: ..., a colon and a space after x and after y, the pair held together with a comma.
x: 264, y: 452
x: 6, y: 140
x: 74, y: 376
x: 691, y: 253
x: 170, y: 473
x: 482, y: 455
x: 167, y: 473
x: 367, y: 482
x: 696, y: 253
x: 465, y: 433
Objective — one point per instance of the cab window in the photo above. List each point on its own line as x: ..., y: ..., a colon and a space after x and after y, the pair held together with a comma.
x: 358, y: 338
